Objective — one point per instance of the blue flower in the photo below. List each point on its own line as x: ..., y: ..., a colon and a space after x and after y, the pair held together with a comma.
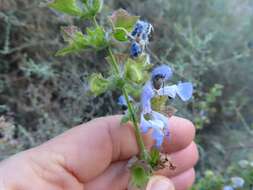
x: 183, y: 90
x: 136, y: 49
x: 159, y: 124
x: 122, y: 101
x: 228, y: 188
x: 142, y: 29
x: 164, y: 70
x: 237, y: 182
x: 146, y: 96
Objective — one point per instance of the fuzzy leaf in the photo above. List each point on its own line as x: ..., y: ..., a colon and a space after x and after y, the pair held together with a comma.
x: 94, y: 6
x: 122, y: 21
x: 135, y: 71
x: 98, y: 84
x: 120, y: 34
x: 134, y: 90
x: 119, y: 83
x: 154, y: 157
x: 76, y: 40
x: 140, y: 175
x: 95, y: 38
x: 66, y: 6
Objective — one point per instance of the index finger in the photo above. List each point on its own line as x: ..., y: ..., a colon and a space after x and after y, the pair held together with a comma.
x: 87, y: 150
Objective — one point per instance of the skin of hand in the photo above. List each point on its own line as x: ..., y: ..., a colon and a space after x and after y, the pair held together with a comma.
x: 94, y: 155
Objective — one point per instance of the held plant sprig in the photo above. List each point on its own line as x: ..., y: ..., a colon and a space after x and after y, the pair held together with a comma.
x: 145, y: 95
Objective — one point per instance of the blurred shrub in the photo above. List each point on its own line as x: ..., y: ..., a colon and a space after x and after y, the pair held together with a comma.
x: 210, y: 181
x: 238, y: 176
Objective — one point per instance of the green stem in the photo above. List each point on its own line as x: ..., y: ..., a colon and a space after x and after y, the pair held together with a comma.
x: 143, y: 151
x: 95, y: 21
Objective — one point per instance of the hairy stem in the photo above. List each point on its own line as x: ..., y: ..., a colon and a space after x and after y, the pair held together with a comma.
x: 143, y: 151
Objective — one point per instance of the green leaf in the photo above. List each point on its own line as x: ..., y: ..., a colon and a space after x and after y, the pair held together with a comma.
x: 135, y: 71
x: 92, y: 8
x: 95, y: 6
x: 98, y: 84
x: 118, y: 82
x: 66, y: 6
x: 122, y: 22
x: 120, y: 34
x: 96, y: 38
x: 134, y: 90
x: 154, y: 157
x: 140, y: 175
x: 125, y: 118
x: 77, y: 41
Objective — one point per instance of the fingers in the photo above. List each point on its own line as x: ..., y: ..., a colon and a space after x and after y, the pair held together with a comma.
x: 117, y: 178
x: 181, y: 182
x: 87, y: 150
x: 183, y: 160
x: 182, y: 133
x: 117, y: 175
x: 160, y: 183
x: 185, y: 180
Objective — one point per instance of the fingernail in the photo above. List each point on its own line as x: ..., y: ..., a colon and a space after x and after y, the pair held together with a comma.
x: 160, y: 183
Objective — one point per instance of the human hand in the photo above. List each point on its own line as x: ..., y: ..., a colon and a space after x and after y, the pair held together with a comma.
x: 93, y: 156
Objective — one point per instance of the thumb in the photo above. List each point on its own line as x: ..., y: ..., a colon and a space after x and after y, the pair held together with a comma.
x: 160, y: 183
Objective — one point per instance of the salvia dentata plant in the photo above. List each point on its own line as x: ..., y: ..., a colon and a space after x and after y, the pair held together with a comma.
x: 144, y: 86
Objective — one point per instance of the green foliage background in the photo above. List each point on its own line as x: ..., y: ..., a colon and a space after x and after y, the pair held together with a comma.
x: 209, y: 42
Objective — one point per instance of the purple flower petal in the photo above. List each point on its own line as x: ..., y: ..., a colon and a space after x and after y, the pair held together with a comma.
x: 163, y: 70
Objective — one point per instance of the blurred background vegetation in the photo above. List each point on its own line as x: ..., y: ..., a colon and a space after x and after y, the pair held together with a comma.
x: 209, y: 42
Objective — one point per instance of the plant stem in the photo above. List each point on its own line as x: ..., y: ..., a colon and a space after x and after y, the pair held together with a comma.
x: 95, y: 21
x: 143, y: 151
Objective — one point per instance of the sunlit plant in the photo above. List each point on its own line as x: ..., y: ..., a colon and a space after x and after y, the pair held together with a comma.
x: 144, y: 86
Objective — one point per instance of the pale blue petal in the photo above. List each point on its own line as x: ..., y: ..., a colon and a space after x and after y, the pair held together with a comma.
x: 159, y: 124
x: 122, y: 101
x: 161, y: 117
x: 228, y: 188
x: 165, y: 120
x: 237, y: 182
x: 144, y: 125
x: 146, y: 96
x: 185, y: 90
x: 170, y: 91
x: 163, y: 70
